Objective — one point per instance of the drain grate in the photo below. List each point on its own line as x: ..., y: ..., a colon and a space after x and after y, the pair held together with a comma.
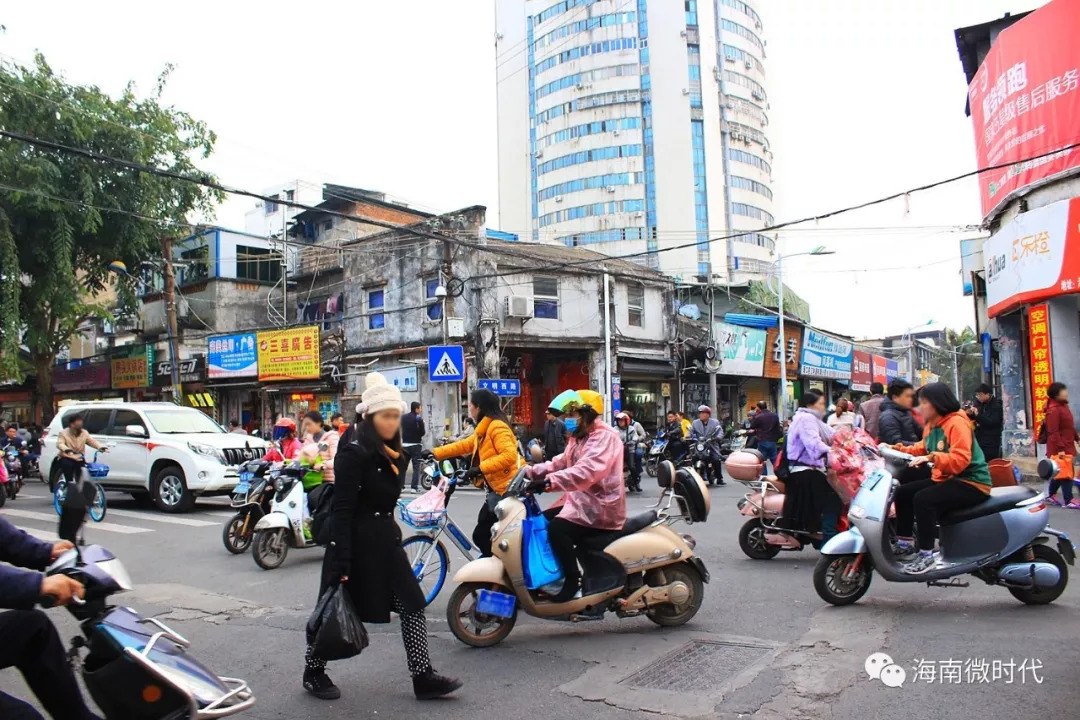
x: 697, y: 666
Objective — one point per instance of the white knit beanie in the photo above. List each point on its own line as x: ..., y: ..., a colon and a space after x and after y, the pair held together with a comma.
x: 379, y: 395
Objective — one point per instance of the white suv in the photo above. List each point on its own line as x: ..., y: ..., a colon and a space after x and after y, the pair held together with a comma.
x: 160, y: 451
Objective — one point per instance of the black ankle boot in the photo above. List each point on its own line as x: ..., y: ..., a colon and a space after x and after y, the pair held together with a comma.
x: 319, y: 684
x: 429, y: 685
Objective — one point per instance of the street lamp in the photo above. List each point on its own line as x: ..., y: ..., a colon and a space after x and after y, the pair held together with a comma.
x: 911, y: 348
x: 819, y: 250
x: 955, y: 370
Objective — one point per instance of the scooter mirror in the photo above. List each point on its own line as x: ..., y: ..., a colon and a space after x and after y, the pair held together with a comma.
x: 1048, y: 469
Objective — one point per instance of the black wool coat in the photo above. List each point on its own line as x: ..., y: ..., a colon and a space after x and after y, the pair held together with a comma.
x: 365, y: 539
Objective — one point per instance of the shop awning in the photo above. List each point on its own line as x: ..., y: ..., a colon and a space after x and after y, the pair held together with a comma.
x: 654, y: 368
x: 763, y: 322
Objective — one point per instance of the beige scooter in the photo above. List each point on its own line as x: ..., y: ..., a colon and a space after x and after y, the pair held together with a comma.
x: 643, y: 569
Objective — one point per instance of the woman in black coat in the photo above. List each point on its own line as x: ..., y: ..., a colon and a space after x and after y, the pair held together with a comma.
x: 365, y: 551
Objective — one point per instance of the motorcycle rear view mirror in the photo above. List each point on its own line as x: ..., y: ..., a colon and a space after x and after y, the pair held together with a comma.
x: 1048, y: 469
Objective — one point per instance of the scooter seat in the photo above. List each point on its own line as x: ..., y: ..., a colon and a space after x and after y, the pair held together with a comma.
x: 631, y: 526
x: 1000, y: 500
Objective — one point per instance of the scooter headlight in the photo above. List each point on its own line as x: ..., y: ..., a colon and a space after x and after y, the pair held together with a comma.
x: 279, y: 484
x: 857, y: 511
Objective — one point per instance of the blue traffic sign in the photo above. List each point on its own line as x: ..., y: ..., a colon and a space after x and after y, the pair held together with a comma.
x: 446, y: 363
x: 502, y: 388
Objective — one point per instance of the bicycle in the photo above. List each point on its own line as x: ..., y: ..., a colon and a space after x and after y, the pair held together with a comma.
x: 426, y: 551
x: 98, y: 506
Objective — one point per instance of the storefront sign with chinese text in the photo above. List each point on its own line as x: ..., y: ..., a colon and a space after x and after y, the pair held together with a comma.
x: 1025, y: 99
x: 1042, y: 368
x: 861, y: 372
x: 1034, y: 257
x: 133, y: 369
x: 231, y: 356
x: 793, y: 340
x: 91, y: 376
x: 291, y: 354
x: 825, y: 356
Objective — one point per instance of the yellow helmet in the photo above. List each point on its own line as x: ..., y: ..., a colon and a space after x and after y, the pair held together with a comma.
x: 594, y: 400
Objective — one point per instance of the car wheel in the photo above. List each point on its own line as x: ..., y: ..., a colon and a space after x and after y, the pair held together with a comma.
x: 170, y: 492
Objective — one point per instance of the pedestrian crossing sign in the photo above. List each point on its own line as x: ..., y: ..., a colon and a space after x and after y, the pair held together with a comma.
x: 446, y: 363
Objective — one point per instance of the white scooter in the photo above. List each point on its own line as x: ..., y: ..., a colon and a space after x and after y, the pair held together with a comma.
x: 1001, y: 541
x: 283, y: 526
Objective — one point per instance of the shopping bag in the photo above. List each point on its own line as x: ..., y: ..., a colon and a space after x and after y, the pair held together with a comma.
x: 541, y: 567
x: 334, y: 630
x: 433, y: 501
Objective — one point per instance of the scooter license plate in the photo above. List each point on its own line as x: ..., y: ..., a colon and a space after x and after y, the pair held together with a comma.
x: 494, y: 603
x: 244, y: 485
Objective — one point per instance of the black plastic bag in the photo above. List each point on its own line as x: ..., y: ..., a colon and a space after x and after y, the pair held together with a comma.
x: 334, y: 630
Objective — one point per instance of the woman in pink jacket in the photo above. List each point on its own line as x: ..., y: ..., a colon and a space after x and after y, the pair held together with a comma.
x: 590, y: 473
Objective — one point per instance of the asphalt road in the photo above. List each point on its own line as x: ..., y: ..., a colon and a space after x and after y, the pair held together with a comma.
x: 764, y: 646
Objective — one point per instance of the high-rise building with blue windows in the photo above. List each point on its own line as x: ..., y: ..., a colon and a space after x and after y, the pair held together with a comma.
x: 637, y: 126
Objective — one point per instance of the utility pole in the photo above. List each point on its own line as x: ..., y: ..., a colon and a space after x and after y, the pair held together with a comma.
x: 284, y: 269
x: 712, y: 344
x: 170, y: 309
x: 781, y: 406
x: 607, y: 346
x: 444, y: 281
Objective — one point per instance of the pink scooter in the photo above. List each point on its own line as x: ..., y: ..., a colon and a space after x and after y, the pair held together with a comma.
x: 760, y: 537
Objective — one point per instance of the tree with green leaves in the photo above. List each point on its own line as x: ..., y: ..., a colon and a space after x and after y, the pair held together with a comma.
x: 968, y: 361
x: 65, y: 218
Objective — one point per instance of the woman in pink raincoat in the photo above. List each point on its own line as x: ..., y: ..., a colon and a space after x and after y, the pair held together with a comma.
x: 590, y: 473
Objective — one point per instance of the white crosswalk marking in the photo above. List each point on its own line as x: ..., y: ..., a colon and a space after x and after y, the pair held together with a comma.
x: 53, y: 518
x: 40, y: 534
x: 160, y: 517
x: 215, y: 514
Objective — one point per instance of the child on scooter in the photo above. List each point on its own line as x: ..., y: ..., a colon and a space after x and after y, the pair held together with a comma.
x: 960, y: 478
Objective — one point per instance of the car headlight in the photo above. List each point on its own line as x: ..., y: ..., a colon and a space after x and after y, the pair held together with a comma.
x: 207, y: 451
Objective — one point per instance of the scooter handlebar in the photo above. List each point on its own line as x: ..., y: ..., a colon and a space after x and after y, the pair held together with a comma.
x: 895, y: 455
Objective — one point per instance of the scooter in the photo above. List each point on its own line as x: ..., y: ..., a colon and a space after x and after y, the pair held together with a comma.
x: 1003, y: 540
x: 643, y: 569
x: 283, y: 527
x: 702, y: 453
x: 761, y: 538
x: 11, y: 479
x: 135, y: 667
x: 659, y: 451
x: 251, y: 498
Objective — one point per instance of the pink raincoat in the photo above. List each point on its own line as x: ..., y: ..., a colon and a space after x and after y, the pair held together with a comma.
x: 590, y: 472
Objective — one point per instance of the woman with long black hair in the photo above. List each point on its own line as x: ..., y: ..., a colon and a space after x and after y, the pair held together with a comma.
x: 960, y: 478
x: 365, y: 552
x: 493, y: 459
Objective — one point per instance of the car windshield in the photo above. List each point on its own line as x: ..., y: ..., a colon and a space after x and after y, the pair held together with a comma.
x: 180, y: 421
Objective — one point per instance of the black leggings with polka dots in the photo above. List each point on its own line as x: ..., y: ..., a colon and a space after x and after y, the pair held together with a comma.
x: 413, y: 635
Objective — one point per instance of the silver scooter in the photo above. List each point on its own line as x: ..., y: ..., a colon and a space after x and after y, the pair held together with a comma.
x: 1003, y: 540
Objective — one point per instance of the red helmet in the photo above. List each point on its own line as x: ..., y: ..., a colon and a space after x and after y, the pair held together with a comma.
x: 286, y: 422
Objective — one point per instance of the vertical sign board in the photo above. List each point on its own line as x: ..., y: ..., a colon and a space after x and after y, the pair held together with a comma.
x: 616, y: 394
x: 1042, y: 369
x: 987, y: 353
x: 861, y: 374
x: 446, y: 363
x: 879, y: 369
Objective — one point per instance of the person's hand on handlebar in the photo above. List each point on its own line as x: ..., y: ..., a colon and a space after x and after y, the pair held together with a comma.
x: 917, y: 461
x: 537, y: 486
x: 59, y: 548
x: 474, y: 474
x: 60, y: 589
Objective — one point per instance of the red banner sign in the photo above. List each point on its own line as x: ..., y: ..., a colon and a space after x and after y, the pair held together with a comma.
x: 1042, y: 368
x: 1025, y: 99
x: 880, y: 369
x: 860, y: 371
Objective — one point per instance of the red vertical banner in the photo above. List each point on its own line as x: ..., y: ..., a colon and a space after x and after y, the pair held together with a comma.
x: 880, y: 369
x: 860, y: 371
x: 1042, y: 366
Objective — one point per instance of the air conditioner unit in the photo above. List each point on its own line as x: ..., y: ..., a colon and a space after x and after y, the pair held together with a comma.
x: 581, y: 86
x: 686, y: 91
x: 539, y: 153
x: 730, y: 105
x: 519, y: 306
x: 558, y: 198
x: 611, y: 188
x: 639, y: 214
x: 728, y: 58
x: 615, y: 133
x: 682, y: 33
x: 749, y: 65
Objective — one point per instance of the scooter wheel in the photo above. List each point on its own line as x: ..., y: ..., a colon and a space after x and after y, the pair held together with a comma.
x: 231, y: 535
x: 474, y: 628
x: 670, y: 614
x: 270, y: 548
x: 753, y: 543
x: 833, y: 587
x: 1049, y: 595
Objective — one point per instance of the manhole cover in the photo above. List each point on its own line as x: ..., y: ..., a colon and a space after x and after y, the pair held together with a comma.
x: 697, y: 666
